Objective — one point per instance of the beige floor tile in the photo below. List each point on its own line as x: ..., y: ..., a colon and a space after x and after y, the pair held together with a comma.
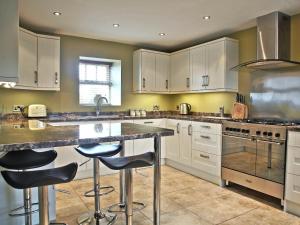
x: 218, y: 210
x: 167, y: 206
x: 71, y: 212
x: 138, y: 219
x: 264, y: 215
x: 182, y: 217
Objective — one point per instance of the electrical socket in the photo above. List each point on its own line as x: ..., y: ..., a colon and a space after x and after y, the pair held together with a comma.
x: 16, y: 108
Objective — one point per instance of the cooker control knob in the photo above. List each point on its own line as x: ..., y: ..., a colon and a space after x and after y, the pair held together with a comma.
x: 277, y: 135
x: 247, y: 131
x: 258, y: 133
x: 227, y: 128
x: 265, y: 133
x: 270, y: 134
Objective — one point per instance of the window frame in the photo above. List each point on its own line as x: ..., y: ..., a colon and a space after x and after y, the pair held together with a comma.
x: 95, y: 82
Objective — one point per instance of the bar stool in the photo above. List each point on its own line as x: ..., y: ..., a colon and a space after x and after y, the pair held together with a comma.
x: 128, y: 163
x: 29, y: 159
x: 94, y: 151
x: 41, y: 179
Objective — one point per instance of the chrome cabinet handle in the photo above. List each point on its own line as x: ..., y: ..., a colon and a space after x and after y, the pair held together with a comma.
x: 190, y: 130
x: 148, y: 122
x: 207, y: 80
x: 36, y: 77
x: 206, y: 127
x: 167, y: 84
x: 203, y: 81
x: 187, y: 82
x: 56, y: 78
x: 144, y: 82
x: 177, y: 127
x: 204, y: 156
x: 205, y: 137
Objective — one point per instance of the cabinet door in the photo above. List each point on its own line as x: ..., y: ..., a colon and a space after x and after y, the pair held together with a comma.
x: 172, y: 142
x: 215, y: 56
x: 198, y: 68
x: 180, y: 71
x: 148, y: 71
x: 185, y: 143
x: 48, y: 62
x: 27, y: 59
x: 162, y: 72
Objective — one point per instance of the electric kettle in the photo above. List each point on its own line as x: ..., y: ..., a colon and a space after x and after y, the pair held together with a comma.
x: 185, y: 108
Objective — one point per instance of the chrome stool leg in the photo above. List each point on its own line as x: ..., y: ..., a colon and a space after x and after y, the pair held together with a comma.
x: 128, y: 197
x: 98, y: 217
x: 27, y: 207
x: 120, y: 207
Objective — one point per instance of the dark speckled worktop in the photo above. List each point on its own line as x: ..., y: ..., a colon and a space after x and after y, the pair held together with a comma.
x: 21, y: 135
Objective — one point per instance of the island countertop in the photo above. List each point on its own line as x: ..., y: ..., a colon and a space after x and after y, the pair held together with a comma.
x: 42, y: 135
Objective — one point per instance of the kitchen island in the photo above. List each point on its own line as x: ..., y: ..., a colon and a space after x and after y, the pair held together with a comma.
x: 38, y: 135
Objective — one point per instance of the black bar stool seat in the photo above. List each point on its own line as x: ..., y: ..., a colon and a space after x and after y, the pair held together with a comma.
x: 27, y: 159
x: 96, y: 150
x: 129, y: 162
x: 37, y: 178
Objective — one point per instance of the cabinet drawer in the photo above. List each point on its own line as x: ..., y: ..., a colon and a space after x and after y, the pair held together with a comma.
x: 293, y: 160
x: 210, y: 143
x: 294, y: 139
x: 151, y: 122
x: 206, y: 162
x: 292, y: 191
x: 208, y: 128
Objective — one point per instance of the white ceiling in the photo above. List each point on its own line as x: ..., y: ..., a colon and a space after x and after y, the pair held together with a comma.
x: 142, y: 20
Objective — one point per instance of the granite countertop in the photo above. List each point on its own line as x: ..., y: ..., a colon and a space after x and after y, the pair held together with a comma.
x: 37, y: 134
x: 294, y: 128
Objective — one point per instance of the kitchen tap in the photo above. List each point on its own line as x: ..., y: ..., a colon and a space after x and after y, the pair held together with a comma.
x: 221, y: 109
x: 99, y: 104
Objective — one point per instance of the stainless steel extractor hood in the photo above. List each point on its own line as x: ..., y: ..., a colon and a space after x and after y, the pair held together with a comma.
x: 273, y: 43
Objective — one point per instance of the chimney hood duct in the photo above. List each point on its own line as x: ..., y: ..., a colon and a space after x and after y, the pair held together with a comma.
x: 273, y: 43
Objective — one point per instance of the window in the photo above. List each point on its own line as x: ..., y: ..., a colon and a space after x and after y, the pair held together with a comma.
x: 94, y: 78
x: 99, y: 77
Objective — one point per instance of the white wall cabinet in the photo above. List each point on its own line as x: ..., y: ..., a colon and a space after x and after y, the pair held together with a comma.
x: 180, y: 71
x: 151, y: 71
x: 202, y: 68
x: 9, y: 23
x: 39, y: 61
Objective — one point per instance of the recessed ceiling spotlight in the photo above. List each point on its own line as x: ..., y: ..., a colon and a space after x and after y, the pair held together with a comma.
x: 116, y: 25
x: 206, y: 17
x: 162, y: 34
x: 56, y: 13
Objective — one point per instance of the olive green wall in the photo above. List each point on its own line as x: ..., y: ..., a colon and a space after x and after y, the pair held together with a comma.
x: 66, y: 100
x: 210, y: 102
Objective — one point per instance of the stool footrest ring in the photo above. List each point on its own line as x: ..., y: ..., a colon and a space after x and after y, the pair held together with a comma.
x: 91, y: 193
x: 120, y: 207
x: 15, y: 213
x: 88, y: 218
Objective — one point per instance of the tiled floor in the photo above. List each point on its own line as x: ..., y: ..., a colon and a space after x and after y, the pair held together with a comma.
x: 186, y: 200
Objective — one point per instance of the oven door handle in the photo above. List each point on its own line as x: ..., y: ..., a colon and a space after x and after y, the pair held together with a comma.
x: 271, y: 142
x: 243, y: 138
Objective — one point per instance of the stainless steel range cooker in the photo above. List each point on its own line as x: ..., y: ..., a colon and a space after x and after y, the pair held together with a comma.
x: 253, y: 155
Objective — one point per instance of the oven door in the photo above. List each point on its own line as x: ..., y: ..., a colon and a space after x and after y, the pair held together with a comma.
x: 239, y: 154
x: 270, y: 161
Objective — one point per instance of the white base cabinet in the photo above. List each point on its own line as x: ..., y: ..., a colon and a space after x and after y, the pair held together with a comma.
x: 196, y: 148
x: 292, y: 181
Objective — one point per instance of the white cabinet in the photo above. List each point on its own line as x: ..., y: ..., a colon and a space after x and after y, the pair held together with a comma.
x: 185, y: 142
x: 292, y: 182
x: 48, y: 62
x: 141, y: 146
x: 39, y: 61
x: 172, y: 142
x: 9, y: 24
x: 162, y: 72
x: 180, y: 71
x: 150, y: 71
x: 211, y: 65
x: 27, y: 59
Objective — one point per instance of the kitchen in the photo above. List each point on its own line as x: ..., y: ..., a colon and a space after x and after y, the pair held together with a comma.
x: 168, y: 88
